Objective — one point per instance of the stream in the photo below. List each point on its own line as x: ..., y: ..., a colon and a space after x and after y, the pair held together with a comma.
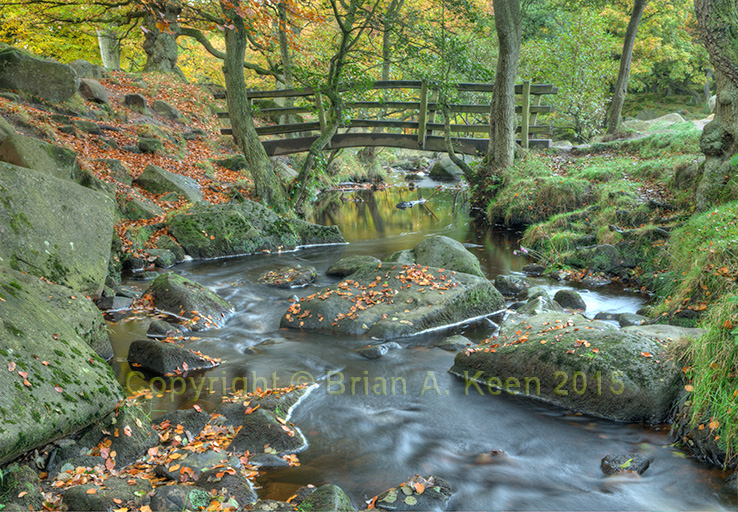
x: 366, y: 439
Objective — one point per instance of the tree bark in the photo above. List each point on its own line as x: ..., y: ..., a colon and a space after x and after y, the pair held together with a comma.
x: 160, y: 39
x: 718, y: 21
x: 502, y: 110
x: 267, y: 184
x: 626, y: 59
x: 109, y: 44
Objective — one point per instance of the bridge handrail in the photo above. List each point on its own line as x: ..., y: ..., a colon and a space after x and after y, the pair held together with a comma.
x: 426, y: 108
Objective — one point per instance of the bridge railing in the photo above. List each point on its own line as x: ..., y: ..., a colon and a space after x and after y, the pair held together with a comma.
x: 415, y: 118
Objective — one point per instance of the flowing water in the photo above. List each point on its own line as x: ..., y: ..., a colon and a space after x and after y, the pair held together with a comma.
x: 405, y: 414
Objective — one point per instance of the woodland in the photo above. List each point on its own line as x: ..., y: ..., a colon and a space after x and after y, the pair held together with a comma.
x: 634, y: 193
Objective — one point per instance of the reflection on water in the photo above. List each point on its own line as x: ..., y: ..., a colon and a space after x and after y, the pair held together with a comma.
x: 368, y: 439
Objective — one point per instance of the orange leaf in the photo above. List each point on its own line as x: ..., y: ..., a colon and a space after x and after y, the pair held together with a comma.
x: 11, y: 366
x: 689, y: 387
x: 22, y: 494
x: 646, y: 354
x: 127, y: 430
x: 713, y: 424
x: 419, y: 488
x: 92, y: 490
x: 175, y: 467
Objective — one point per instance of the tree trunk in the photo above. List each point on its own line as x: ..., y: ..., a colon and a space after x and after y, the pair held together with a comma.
x: 502, y: 110
x: 267, y: 185
x: 109, y: 44
x: 718, y: 21
x: 160, y: 37
x: 621, y: 87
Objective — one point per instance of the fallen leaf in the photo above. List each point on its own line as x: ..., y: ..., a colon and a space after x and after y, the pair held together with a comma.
x: 22, y: 494
x: 92, y: 490
x: 127, y: 430
x: 11, y: 366
x: 59, y: 389
x: 646, y: 354
x: 689, y: 387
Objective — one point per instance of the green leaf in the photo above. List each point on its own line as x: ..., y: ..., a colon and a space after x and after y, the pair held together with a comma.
x: 626, y: 464
x: 734, y: 160
x: 410, y: 500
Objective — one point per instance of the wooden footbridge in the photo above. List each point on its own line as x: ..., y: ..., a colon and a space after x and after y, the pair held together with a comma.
x: 409, y: 123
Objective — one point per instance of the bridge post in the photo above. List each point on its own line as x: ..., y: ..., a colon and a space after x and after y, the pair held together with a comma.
x: 525, y: 115
x: 432, y: 111
x: 423, y: 114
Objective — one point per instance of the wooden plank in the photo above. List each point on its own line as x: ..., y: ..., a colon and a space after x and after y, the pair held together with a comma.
x: 422, y: 114
x: 288, y: 128
x: 351, y: 140
x: 376, y: 123
x: 525, y: 114
x: 408, y: 105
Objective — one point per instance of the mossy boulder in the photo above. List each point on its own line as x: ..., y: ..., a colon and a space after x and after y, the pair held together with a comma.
x: 350, y: 264
x: 178, y: 498
x: 178, y: 295
x: 233, y: 163
x: 41, y: 156
x: 150, y: 145
x: 445, y: 170
x: 389, y: 301
x: 114, y: 493
x: 20, y: 488
x: 163, y: 108
x: 134, y: 206
x: 58, y: 384
x: 440, y: 252
x: 214, y: 231
x: 156, y: 180
x: 263, y: 427
x: 326, y: 497
x: 435, y: 495
x: 47, y: 79
x: 166, y: 358
x: 289, y: 277
x: 6, y: 129
x: 54, y: 228
x: 586, y: 366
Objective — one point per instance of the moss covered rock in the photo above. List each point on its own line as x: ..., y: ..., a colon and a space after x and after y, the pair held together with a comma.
x: 326, y: 497
x: 440, y: 252
x: 178, y: 295
x: 214, y: 231
x: 57, y: 384
x: 389, y: 301
x: 20, y: 488
x: 166, y: 358
x: 587, y: 366
x: 41, y: 156
x: 114, y: 493
x: 156, y: 180
x: 350, y: 264
x: 47, y: 79
x: 54, y: 228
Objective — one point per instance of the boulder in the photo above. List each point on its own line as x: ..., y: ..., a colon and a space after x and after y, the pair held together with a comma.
x: 86, y: 69
x: 570, y: 299
x: 134, y: 206
x: 393, y: 301
x: 20, y: 489
x: 615, y: 463
x: 177, y: 295
x: 192, y: 421
x: 587, y: 366
x: 163, y: 258
x: 165, y: 358
x: 628, y: 319
x: 444, y: 252
x: 54, y: 228
x: 161, y: 329
x: 58, y: 384
x: 135, y: 435
x: 40, y: 156
x: 533, y: 269
x: 47, y: 79
x: 539, y: 304
x: 350, y: 264
x: 665, y: 333
x: 532, y: 292
x: 163, y: 108
x: 135, y: 101
x: 233, y: 163
x: 166, y: 242
x: 445, y: 170
x: 92, y: 90
x: 177, y: 498
x: 5, y: 129
x: 213, y: 231
x: 435, y: 495
x: 150, y: 145
x: 289, y: 277
x: 232, y: 485
x: 454, y: 343
x: 263, y: 427
x: 156, y: 180
x: 114, y: 493
x: 511, y: 286
x: 327, y: 497
x: 87, y: 126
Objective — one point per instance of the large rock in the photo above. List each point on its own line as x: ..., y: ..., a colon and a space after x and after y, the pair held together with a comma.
x: 166, y: 358
x: 445, y: 170
x: 54, y: 228
x: 213, y: 231
x: 327, y: 497
x: 134, y: 206
x: 41, y: 156
x: 6, y: 129
x: 178, y: 295
x: 440, y: 252
x: 156, y: 180
x: 510, y: 285
x: 87, y: 69
x: 390, y: 301
x: 163, y: 108
x: 114, y: 493
x: 350, y: 264
x: 587, y: 366
x: 92, y: 90
x: 53, y: 382
x: 433, y: 495
x: 47, y: 79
